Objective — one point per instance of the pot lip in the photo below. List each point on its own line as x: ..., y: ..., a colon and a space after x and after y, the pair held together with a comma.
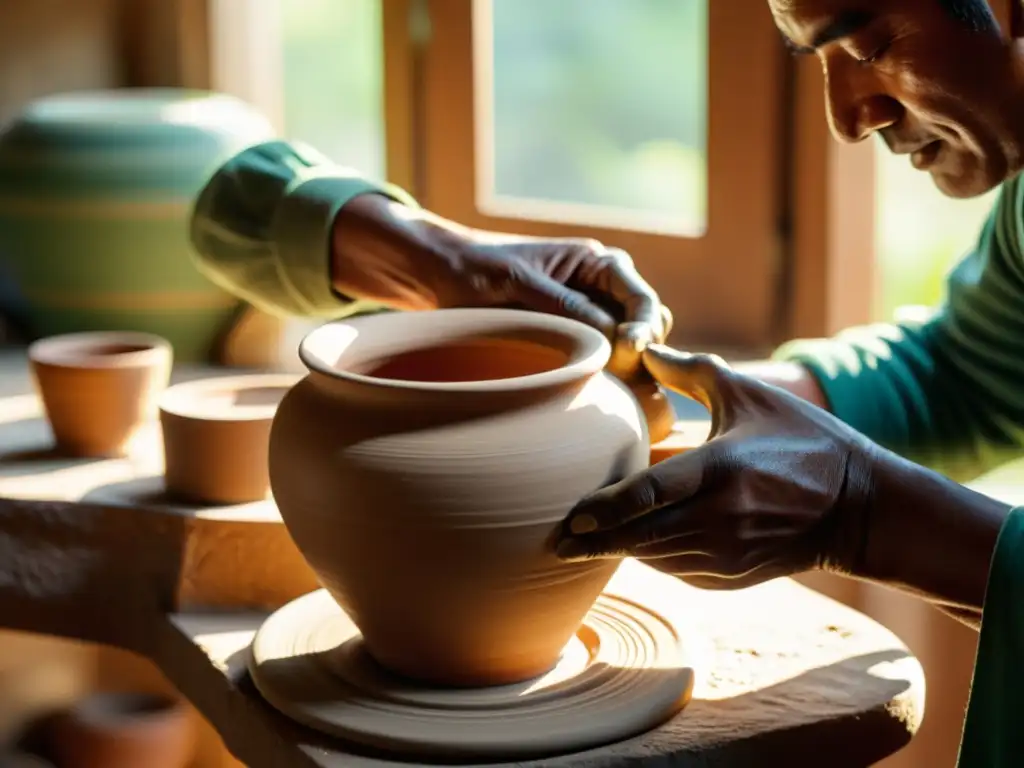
x: 590, y: 354
x: 181, y: 400
x: 72, y: 350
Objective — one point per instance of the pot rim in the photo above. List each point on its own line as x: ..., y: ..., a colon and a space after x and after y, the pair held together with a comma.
x: 78, y: 350
x: 185, y: 400
x: 590, y: 350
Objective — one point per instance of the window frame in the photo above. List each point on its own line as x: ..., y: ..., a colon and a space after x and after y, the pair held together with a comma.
x: 745, y: 173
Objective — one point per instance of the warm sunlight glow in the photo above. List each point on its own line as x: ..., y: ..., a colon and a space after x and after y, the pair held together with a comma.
x: 330, y: 342
x: 220, y: 646
x: 19, y: 408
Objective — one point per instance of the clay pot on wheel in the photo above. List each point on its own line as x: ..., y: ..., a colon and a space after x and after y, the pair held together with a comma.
x: 423, y: 468
x: 124, y: 730
x: 98, y: 389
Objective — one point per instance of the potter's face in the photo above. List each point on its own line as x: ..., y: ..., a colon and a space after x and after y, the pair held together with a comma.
x: 939, y: 89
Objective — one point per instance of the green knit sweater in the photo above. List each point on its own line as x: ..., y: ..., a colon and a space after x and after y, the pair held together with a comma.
x: 944, y: 392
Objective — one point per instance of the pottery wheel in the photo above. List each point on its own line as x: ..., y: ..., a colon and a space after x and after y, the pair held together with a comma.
x: 624, y: 672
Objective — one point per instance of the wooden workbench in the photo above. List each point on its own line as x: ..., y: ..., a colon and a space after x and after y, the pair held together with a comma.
x: 92, y: 550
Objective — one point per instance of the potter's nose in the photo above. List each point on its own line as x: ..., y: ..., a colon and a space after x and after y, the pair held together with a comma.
x: 856, y: 110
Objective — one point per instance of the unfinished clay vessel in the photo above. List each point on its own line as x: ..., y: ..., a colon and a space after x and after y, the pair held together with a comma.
x: 216, y: 434
x: 124, y: 730
x: 423, y: 468
x: 98, y: 389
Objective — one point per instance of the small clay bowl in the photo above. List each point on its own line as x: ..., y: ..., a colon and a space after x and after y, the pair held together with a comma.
x: 124, y: 730
x: 217, y: 437
x: 98, y: 389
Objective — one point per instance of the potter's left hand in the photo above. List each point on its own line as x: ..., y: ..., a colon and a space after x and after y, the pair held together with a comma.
x: 578, y: 278
x: 781, y: 487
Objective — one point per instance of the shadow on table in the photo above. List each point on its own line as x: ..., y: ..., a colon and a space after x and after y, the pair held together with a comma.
x: 147, y: 491
x: 23, y: 462
x: 850, y: 714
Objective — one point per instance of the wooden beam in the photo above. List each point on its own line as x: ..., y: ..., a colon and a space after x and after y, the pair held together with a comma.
x: 832, y: 274
x: 166, y: 43
x: 401, y: 71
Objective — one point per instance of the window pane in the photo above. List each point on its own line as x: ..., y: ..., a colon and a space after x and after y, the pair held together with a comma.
x: 593, y: 111
x: 921, y: 235
x: 333, y: 83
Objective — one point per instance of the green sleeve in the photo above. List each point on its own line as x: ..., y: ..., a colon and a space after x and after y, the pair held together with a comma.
x: 261, y: 227
x: 993, y: 736
x: 945, y: 392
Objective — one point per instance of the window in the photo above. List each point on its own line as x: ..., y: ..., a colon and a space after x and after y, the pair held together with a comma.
x: 920, y: 233
x: 652, y: 125
x: 593, y: 112
x: 332, y: 70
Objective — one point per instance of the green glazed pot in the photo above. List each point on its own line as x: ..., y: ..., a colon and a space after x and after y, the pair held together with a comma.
x: 96, y: 190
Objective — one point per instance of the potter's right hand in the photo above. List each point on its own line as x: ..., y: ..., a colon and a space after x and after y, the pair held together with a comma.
x: 781, y: 487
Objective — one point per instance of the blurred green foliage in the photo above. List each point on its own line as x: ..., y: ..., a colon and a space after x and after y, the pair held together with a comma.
x: 602, y: 102
x: 582, y: 113
x: 920, y: 234
x: 333, y: 79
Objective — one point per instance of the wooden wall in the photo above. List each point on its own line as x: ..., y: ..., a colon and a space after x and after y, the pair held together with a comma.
x: 57, y: 45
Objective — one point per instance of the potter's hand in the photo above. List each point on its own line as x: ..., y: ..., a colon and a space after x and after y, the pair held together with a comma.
x: 407, y: 258
x: 581, y: 279
x: 781, y: 487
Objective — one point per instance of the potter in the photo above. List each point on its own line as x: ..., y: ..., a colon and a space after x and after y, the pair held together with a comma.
x: 833, y: 455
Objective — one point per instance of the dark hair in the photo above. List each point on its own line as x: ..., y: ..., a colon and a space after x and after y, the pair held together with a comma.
x: 974, y: 13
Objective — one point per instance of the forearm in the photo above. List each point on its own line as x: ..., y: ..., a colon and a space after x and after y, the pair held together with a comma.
x: 792, y: 377
x: 931, y: 537
x: 386, y: 252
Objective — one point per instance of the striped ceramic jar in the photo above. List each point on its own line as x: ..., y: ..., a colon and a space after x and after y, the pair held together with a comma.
x: 96, y: 189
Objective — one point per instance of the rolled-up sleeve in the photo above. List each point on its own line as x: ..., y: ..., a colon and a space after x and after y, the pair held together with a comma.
x: 261, y: 227
x: 993, y: 737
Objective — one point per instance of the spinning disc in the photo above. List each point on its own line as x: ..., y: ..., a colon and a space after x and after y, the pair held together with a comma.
x: 623, y: 673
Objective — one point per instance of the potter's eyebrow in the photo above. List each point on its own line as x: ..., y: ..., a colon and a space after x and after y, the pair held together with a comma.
x: 843, y: 25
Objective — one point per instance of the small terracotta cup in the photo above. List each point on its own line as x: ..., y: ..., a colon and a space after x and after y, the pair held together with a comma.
x: 217, y: 437
x: 124, y: 730
x: 99, y: 388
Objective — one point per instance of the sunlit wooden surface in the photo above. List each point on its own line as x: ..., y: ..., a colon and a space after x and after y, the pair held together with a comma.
x: 94, y: 552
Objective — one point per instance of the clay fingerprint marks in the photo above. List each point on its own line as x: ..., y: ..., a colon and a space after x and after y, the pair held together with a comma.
x: 625, y: 672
